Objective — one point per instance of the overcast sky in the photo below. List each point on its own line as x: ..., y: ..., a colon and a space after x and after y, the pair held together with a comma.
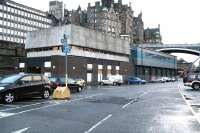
x: 179, y: 19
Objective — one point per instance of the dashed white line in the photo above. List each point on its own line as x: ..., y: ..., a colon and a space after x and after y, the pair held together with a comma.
x: 132, y: 101
x: 21, y: 130
x: 58, y: 103
x: 128, y: 103
x: 187, y: 103
x: 99, y: 123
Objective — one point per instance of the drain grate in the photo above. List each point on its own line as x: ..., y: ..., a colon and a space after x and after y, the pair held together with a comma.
x: 111, y: 100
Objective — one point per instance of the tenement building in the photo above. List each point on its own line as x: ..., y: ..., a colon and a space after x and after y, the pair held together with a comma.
x: 104, y: 19
x: 93, y: 55
x: 152, y: 35
x: 15, y: 21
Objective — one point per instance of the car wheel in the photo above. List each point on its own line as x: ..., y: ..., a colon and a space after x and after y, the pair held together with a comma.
x: 101, y: 83
x: 139, y: 83
x: 196, y: 86
x: 45, y: 94
x: 9, y: 97
x: 79, y: 89
x: 114, y: 83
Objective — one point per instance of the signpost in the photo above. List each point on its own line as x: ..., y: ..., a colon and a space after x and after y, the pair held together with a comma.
x: 63, y: 92
x: 66, y: 50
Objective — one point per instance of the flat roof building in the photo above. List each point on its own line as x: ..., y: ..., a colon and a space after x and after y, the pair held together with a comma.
x: 15, y: 21
x: 93, y: 55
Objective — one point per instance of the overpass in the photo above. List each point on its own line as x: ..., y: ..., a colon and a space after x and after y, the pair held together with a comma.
x: 193, y: 49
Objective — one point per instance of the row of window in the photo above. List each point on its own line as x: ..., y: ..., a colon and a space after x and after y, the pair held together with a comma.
x: 23, y: 13
x: 12, y: 32
x: 12, y: 38
x: 22, y: 20
x: 23, y: 27
x: 25, y: 9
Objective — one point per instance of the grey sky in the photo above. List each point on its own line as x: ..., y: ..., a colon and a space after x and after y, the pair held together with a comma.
x: 179, y: 19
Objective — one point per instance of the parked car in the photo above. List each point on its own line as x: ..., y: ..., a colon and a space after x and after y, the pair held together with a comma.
x: 81, y: 82
x: 60, y: 81
x: 158, y: 80
x: 112, y: 80
x: 192, y: 80
x: 136, y: 80
x: 24, y: 85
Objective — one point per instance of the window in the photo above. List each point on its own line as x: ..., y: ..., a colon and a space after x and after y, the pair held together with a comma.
x: 47, y: 64
x: 89, y: 66
x: 37, y: 78
x: 26, y: 79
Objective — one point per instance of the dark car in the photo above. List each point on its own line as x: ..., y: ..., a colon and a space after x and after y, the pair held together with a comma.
x: 60, y: 81
x: 136, y: 80
x: 24, y: 85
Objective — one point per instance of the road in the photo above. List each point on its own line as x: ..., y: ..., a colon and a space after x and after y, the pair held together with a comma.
x: 150, y: 108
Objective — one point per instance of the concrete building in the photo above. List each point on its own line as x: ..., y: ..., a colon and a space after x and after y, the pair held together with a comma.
x: 15, y: 21
x: 151, y: 64
x: 93, y: 56
x: 56, y: 8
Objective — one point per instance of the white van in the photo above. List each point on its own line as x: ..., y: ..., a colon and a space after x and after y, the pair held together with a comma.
x: 112, y: 80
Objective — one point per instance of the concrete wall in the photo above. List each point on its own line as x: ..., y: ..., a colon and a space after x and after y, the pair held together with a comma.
x: 78, y: 36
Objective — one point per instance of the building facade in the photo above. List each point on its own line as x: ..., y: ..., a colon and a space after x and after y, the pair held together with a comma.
x: 15, y: 21
x: 138, y: 29
x: 93, y: 55
x: 152, y: 35
x: 103, y: 19
x: 151, y: 64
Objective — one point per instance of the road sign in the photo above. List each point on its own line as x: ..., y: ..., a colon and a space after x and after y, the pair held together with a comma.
x: 66, y: 47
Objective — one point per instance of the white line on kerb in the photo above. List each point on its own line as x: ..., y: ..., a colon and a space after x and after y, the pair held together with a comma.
x: 55, y: 104
x: 21, y: 130
x: 99, y: 123
x: 187, y: 103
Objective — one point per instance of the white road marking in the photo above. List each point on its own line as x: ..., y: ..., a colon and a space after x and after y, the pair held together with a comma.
x: 21, y: 130
x: 187, y: 103
x: 134, y: 100
x: 24, y: 106
x: 51, y: 105
x: 3, y: 114
x: 19, y: 107
x: 99, y: 123
x: 12, y: 106
x: 128, y: 103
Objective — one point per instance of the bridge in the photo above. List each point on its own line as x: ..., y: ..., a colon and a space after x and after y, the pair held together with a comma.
x: 193, y: 49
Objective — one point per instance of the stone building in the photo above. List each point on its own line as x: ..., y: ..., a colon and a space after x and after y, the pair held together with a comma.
x: 102, y: 18
x: 126, y: 17
x: 152, y: 35
x: 138, y: 29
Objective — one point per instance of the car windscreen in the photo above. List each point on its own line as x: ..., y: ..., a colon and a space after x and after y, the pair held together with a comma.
x: 10, y: 79
x: 53, y: 79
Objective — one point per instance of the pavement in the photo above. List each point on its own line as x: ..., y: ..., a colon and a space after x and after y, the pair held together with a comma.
x: 150, y: 108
